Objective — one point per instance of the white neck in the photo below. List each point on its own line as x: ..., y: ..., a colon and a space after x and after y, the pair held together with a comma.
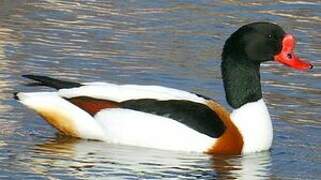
x: 254, y: 123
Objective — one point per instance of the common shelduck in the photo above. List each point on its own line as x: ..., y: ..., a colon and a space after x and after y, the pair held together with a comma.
x: 171, y: 119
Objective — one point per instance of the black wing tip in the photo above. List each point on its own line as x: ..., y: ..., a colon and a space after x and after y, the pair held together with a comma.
x: 15, y: 96
x: 51, y: 82
x: 27, y: 75
x: 33, y: 76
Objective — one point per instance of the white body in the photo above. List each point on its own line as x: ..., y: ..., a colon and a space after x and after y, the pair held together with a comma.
x: 254, y: 122
x: 136, y: 128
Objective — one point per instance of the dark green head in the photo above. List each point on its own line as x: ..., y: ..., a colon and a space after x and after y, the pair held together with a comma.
x: 243, y: 53
x: 256, y: 42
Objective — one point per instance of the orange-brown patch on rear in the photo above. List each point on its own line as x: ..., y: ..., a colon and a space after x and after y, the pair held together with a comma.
x: 231, y: 142
x: 92, y: 105
x: 59, y: 121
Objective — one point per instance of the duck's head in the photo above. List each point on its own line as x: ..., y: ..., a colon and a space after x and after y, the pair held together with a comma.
x: 243, y: 53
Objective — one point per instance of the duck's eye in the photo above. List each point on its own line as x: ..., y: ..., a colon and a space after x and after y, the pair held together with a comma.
x: 269, y: 36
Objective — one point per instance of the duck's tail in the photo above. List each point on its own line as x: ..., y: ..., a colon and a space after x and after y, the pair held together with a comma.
x: 61, y: 114
x: 51, y: 82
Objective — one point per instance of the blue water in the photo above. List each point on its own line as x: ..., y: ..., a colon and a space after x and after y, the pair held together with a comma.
x: 170, y: 43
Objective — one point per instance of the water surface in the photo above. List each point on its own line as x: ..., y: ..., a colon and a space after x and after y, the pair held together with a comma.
x: 171, y: 43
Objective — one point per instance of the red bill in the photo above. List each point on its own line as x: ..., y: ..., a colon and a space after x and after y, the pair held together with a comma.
x: 288, y: 57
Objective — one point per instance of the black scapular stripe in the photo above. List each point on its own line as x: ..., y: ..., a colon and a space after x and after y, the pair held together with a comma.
x: 194, y: 115
x: 51, y: 82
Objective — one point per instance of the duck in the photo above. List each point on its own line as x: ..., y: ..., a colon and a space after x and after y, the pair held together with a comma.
x: 165, y: 118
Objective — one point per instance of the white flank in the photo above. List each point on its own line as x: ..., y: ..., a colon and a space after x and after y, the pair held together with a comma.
x: 120, y: 93
x: 124, y: 126
x: 254, y: 123
x: 85, y: 125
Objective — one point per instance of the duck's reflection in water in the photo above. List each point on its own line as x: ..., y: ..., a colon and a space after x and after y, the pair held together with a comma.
x: 81, y: 158
x: 250, y: 166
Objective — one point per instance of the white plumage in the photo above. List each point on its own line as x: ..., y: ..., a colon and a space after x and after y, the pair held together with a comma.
x: 125, y: 126
x: 254, y: 122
